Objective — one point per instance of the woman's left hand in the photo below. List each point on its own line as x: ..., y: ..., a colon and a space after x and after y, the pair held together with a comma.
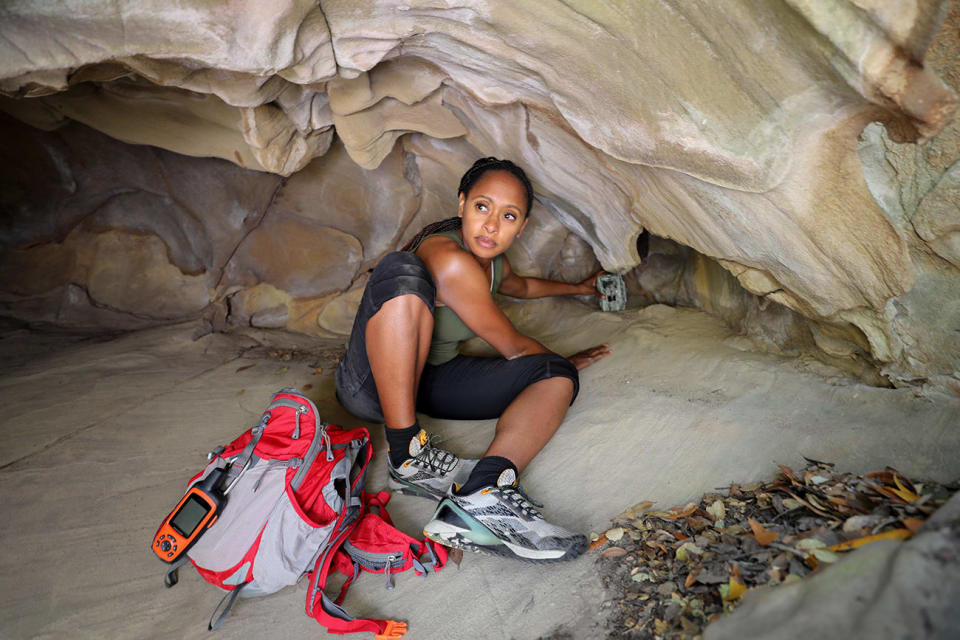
x: 588, y: 356
x: 589, y: 286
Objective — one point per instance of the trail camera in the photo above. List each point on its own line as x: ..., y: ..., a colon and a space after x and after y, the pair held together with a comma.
x: 612, y: 286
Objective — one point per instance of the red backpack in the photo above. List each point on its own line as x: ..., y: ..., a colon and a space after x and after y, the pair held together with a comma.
x: 295, y: 501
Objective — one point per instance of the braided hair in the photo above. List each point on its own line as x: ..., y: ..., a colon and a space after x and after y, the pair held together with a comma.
x: 473, y: 174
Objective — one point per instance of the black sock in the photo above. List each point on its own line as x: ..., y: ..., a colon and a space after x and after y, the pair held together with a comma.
x: 486, y: 473
x: 398, y: 442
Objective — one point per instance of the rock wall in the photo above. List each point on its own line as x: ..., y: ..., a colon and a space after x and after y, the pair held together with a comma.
x: 799, y: 156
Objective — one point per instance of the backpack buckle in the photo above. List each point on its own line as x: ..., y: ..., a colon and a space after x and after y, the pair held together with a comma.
x: 392, y: 631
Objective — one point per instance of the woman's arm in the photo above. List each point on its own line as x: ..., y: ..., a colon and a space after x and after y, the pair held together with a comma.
x: 522, y: 287
x: 464, y: 286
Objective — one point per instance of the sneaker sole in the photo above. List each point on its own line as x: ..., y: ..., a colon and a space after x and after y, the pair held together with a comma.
x: 410, y: 489
x: 453, y: 536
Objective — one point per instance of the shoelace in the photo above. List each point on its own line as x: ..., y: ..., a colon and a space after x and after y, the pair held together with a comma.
x: 525, y: 503
x: 436, y: 459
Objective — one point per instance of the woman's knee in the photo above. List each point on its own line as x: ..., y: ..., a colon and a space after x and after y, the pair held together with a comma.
x: 398, y: 274
x: 551, y: 365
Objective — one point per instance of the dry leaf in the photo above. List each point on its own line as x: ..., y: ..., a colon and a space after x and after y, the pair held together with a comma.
x: 691, y: 578
x: 807, y: 504
x: 680, y: 512
x: 809, y: 544
x: 318, y: 371
x: 613, y: 552
x: 854, y: 524
x: 281, y: 370
x: 455, y: 555
x: 816, y: 503
x: 653, y: 544
x: 240, y: 393
x: 892, y: 534
x: 887, y: 492
x: 732, y: 590
x: 306, y: 387
x: 599, y: 542
x: 824, y: 555
x: 735, y: 570
x: 687, y: 549
x: 716, y: 510
x: 913, y: 524
x: 634, y: 511
x: 903, y: 492
x: 788, y: 474
x: 244, y: 368
x: 690, y: 628
x: 762, y: 536
x: 614, y: 534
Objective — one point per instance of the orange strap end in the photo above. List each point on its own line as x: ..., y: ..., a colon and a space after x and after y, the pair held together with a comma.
x: 392, y: 631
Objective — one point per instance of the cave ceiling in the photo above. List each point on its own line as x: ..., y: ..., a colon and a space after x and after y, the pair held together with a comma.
x: 250, y: 161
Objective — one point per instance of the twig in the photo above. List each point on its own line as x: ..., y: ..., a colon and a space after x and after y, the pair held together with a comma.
x: 877, y: 528
x: 783, y: 547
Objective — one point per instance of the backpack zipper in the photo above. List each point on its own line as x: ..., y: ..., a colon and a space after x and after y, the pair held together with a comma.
x: 386, y: 571
x: 300, y: 408
x: 374, y: 561
x: 320, y: 437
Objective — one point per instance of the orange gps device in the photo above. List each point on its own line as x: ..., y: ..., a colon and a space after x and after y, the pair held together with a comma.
x: 193, y: 515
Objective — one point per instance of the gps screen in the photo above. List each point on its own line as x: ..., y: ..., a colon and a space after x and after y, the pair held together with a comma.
x: 189, y: 516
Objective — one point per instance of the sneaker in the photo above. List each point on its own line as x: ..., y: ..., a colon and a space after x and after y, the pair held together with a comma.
x: 429, y: 472
x: 502, y: 520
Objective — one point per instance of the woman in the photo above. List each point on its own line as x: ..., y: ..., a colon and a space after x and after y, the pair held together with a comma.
x: 418, y: 305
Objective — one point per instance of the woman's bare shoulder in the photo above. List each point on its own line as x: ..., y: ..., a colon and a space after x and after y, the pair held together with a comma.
x: 444, y: 256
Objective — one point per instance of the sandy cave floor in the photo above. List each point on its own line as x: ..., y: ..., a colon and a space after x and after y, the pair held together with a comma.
x: 101, y: 433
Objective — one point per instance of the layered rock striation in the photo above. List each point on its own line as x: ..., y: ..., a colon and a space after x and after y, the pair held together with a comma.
x: 248, y: 163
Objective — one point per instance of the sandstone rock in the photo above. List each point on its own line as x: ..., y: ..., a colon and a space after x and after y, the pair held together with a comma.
x: 131, y: 273
x: 277, y: 144
x: 937, y: 219
x: 337, y: 315
x: 438, y: 165
x: 252, y: 306
x: 755, y: 151
x: 370, y: 134
x: 373, y: 206
x: 296, y: 255
x: 289, y: 38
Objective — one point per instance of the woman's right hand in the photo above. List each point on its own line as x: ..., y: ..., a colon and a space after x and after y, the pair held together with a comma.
x: 587, y: 357
x: 589, y: 286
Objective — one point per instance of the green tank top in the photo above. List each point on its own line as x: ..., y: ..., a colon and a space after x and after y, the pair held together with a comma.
x: 448, y: 329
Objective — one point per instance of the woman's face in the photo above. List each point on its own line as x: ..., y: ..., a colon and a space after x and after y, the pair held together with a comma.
x: 494, y: 213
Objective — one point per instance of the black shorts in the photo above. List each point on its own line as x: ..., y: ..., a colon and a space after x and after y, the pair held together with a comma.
x: 465, y: 388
